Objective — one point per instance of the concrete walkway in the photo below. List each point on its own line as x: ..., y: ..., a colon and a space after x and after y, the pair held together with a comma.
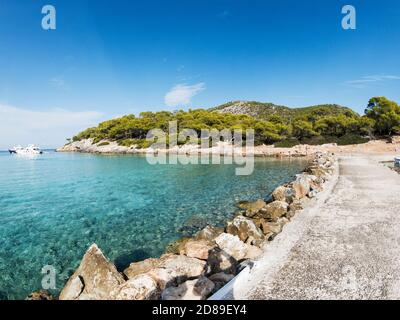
x: 345, y: 246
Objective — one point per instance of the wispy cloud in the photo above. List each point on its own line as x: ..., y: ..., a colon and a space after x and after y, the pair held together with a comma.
x: 182, y: 94
x: 58, y: 82
x: 46, y: 128
x: 365, y: 81
x: 224, y: 14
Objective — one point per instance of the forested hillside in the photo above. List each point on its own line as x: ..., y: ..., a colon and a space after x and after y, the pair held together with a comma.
x: 272, y: 124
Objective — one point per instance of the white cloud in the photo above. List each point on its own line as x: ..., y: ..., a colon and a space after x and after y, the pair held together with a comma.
x: 58, y: 81
x: 364, y: 81
x: 45, y: 128
x: 182, y: 94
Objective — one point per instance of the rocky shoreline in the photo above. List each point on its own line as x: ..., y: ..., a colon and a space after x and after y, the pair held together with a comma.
x: 112, y: 147
x: 195, y: 268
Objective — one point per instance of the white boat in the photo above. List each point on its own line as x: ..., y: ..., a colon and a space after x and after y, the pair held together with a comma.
x: 29, y: 150
x: 397, y: 161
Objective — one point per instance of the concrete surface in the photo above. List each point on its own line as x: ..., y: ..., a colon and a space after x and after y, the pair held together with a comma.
x: 344, y: 246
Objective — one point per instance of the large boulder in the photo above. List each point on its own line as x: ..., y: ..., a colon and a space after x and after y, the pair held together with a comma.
x: 198, y: 289
x: 301, y: 187
x: 95, y: 279
x: 283, y: 193
x: 208, y: 233
x: 141, y: 267
x: 165, y: 277
x: 140, y: 287
x: 199, y: 249
x: 244, y: 228
x: 252, y: 208
x: 232, y: 246
x: 184, y: 266
x: 271, y: 229
x: 274, y: 210
x: 176, y: 246
x: 235, y: 248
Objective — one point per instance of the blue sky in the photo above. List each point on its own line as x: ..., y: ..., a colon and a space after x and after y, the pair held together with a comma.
x: 108, y: 58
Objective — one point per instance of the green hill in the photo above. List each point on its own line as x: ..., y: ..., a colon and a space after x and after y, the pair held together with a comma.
x: 264, y: 111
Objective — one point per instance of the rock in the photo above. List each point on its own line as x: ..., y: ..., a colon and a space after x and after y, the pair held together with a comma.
x: 193, y: 224
x: 301, y: 187
x: 253, y: 252
x: 319, y: 172
x: 140, y: 287
x: 315, y: 186
x: 175, y: 247
x: 244, y: 228
x: 252, y: 208
x: 96, y: 278
x: 40, y: 295
x: 220, y: 261
x: 197, y: 289
x: 275, y: 210
x: 220, y: 279
x: 271, y: 229
x: 184, y: 266
x: 141, y: 267
x: 165, y: 277
x: 312, y: 194
x: 197, y: 249
x: 283, y: 193
x: 293, y: 207
x: 283, y: 221
x: 235, y: 248
x: 232, y: 245
x: 208, y: 233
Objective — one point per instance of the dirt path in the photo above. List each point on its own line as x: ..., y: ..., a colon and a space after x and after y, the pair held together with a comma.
x: 345, y: 246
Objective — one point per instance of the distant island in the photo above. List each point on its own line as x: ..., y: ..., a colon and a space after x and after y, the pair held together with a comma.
x: 273, y: 124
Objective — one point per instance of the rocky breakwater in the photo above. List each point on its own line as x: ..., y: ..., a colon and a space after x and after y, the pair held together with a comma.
x: 196, y: 267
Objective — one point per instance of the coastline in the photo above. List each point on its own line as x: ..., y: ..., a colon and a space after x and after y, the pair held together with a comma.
x: 340, y: 248
x: 371, y: 147
x: 196, y: 267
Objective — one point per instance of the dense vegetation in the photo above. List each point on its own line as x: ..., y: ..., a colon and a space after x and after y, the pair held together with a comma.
x: 272, y: 124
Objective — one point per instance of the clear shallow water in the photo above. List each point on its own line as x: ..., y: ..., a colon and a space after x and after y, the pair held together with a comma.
x: 54, y: 206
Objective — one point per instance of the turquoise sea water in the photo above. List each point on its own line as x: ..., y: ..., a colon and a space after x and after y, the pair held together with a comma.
x: 52, y: 207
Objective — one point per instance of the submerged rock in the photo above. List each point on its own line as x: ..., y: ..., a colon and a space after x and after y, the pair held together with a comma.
x: 175, y: 247
x: 252, y: 208
x: 40, y: 295
x: 193, y: 224
x: 95, y: 279
x: 198, y: 289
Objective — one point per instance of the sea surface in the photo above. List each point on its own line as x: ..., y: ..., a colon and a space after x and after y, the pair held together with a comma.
x: 54, y: 206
